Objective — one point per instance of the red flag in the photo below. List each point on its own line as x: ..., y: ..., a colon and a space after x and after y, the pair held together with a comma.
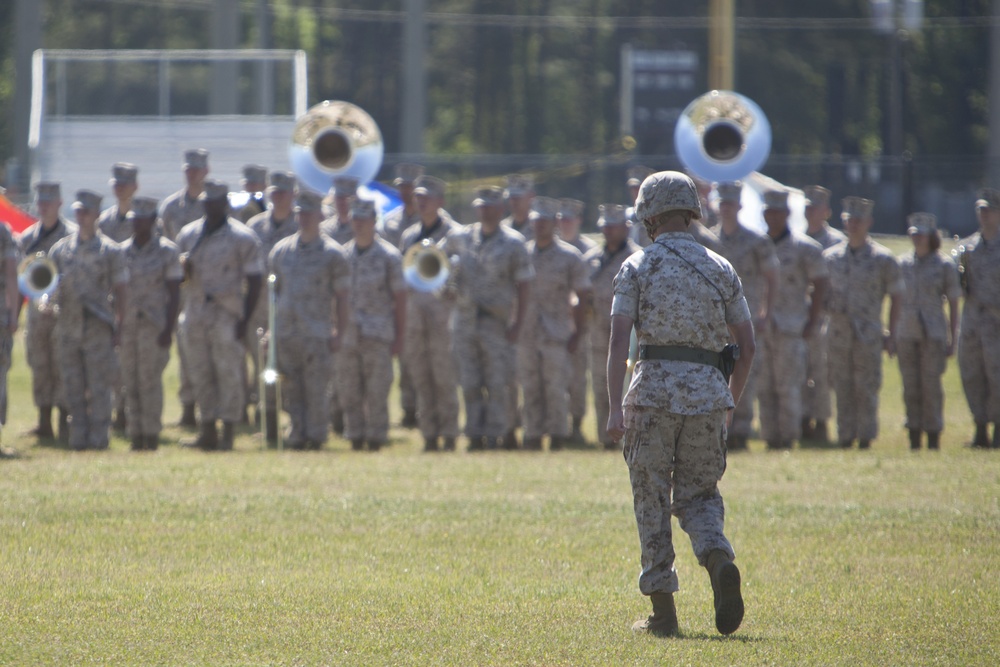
x: 14, y: 216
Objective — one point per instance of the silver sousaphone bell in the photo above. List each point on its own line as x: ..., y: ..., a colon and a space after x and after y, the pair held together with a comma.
x: 722, y: 136
x: 335, y: 139
x: 426, y: 267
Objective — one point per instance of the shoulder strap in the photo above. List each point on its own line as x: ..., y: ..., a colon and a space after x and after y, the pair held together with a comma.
x: 692, y: 265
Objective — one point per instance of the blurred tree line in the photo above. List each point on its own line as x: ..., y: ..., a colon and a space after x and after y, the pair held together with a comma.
x: 542, y: 76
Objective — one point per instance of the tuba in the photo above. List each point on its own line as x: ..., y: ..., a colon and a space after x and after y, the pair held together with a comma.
x: 37, y: 277
x: 335, y: 139
x: 426, y: 267
x: 722, y: 136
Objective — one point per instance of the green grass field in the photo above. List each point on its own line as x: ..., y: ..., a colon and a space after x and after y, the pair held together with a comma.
x: 884, y: 557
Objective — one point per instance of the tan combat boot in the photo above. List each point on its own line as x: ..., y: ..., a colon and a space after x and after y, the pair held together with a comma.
x: 663, y: 621
x: 726, y: 587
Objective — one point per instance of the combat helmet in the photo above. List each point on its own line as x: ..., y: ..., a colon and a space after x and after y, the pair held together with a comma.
x: 666, y: 191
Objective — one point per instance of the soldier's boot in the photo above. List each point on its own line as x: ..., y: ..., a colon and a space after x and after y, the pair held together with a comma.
x: 996, y: 436
x: 228, y: 436
x: 819, y: 432
x: 510, y: 440
x: 476, y: 444
x: 663, y: 621
x: 119, y: 423
x: 430, y: 444
x: 915, y: 435
x: 358, y: 444
x: 864, y: 444
x: 63, y: 429
x: 725, y: 578
x: 44, y: 429
x: 981, y: 439
x: 337, y: 422
x: 933, y: 440
x: 138, y: 443
x: 409, y: 419
x: 187, y: 416
x: 576, y: 435
x: 556, y: 443
x: 375, y: 445
x: 846, y: 444
x: 272, y: 425
x: 152, y: 442
x: 449, y: 444
x: 736, y: 443
x: 207, y: 440
x: 807, y: 428
x: 611, y: 446
x: 533, y: 444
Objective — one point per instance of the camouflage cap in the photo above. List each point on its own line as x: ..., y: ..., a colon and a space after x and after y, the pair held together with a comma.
x: 363, y: 209
x: 87, y: 200
x: 345, y: 186
x: 282, y: 181
x: 430, y: 186
x: 307, y: 201
x: 667, y: 191
x: 612, y: 214
x: 816, y: 195
x: 856, y: 207
x: 921, y: 223
x: 47, y: 191
x: 730, y: 192
x: 407, y: 173
x: 544, y: 208
x: 519, y: 185
x: 570, y: 208
x: 489, y: 196
x: 988, y: 198
x: 196, y: 158
x: 637, y: 174
x: 143, y: 207
x: 214, y: 190
x: 123, y: 173
x: 254, y: 173
x: 776, y: 200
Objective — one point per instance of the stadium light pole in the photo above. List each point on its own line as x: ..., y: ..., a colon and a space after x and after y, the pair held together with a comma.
x: 721, y: 44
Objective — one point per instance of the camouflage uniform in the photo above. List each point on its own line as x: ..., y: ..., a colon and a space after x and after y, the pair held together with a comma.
x: 922, y: 338
x: 859, y: 282
x: 543, y: 360
x: 364, y: 363
x: 816, y: 403
x: 143, y: 361
x: 178, y: 210
x: 397, y: 221
x: 269, y: 231
x: 675, y: 410
x: 781, y: 349
x: 427, y: 352
x: 114, y: 224
x: 580, y: 360
x: 212, y: 305
x: 604, y: 266
x: 978, y: 343
x: 8, y: 252
x: 752, y: 256
x: 89, y: 270
x: 39, y: 336
x: 488, y: 272
x: 309, y: 276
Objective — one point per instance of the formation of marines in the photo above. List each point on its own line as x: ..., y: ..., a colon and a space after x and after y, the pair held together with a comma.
x: 521, y: 322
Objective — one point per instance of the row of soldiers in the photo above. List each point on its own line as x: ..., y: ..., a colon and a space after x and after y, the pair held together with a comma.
x: 525, y: 312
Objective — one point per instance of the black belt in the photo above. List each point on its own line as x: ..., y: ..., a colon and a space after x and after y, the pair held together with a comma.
x: 679, y: 353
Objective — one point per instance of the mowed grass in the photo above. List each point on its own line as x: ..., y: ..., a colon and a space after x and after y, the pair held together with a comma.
x: 884, y: 557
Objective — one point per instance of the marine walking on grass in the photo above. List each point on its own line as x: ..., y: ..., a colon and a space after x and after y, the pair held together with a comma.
x: 151, y: 308
x: 685, y: 302
x: 925, y: 337
x: 862, y: 274
x: 979, y: 342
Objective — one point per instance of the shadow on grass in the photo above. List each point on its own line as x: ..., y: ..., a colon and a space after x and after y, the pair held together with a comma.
x: 704, y: 636
x: 809, y: 443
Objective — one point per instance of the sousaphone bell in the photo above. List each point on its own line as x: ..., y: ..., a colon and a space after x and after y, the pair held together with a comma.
x: 333, y: 139
x: 722, y: 136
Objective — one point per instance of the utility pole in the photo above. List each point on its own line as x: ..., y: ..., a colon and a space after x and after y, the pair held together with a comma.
x: 414, y: 109
x: 993, y: 166
x: 721, y: 44
x: 225, y: 35
x: 27, y: 38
